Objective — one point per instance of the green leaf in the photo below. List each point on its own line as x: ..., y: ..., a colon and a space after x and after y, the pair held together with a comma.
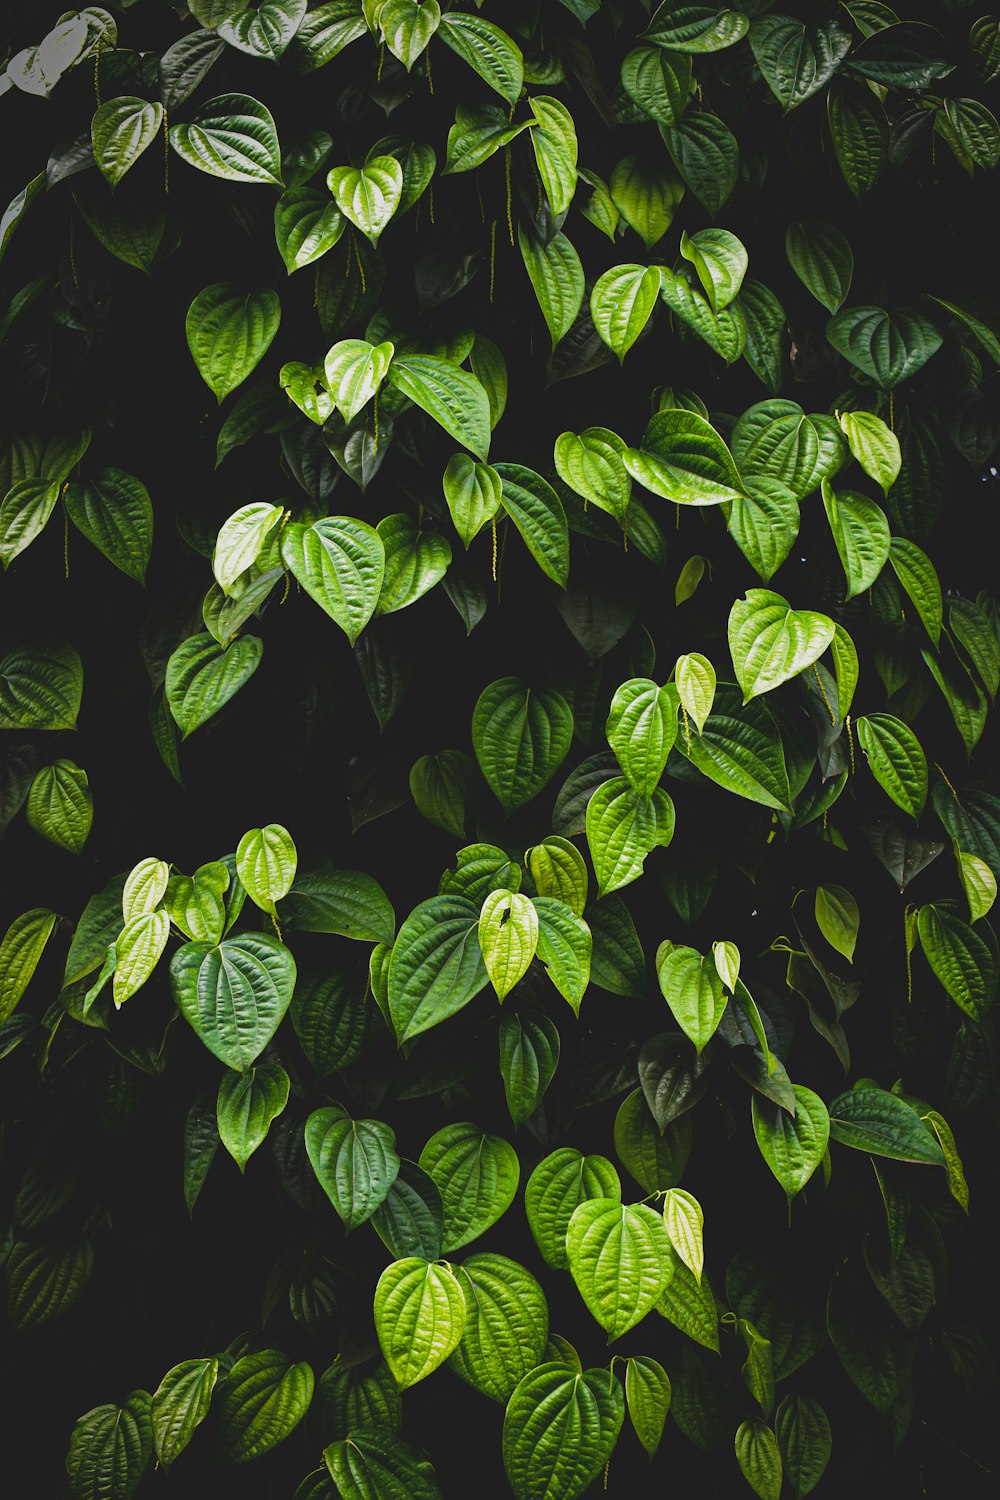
x: 963, y: 960
x: 971, y: 131
x: 121, y: 131
x: 347, y: 902
x: 619, y: 1257
x: 684, y: 1221
x: 45, y: 1281
x: 623, y: 827
x: 559, y: 1430
x: 229, y: 332
x: 694, y: 677
x: 793, y: 1145
x: 692, y: 988
x: 918, y: 576
x: 265, y: 863
x: 797, y: 60
x: 641, y: 729
x: 690, y: 1306
x: 234, y: 994
x: 410, y: 1219
x: 696, y: 28
x: 197, y: 903
x: 445, y: 789
x: 24, y: 515
x: 529, y: 1053
x: 554, y: 143
x: 472, y: 491
x: 645, y: 197
x: 822, y: 259
x: 861, y: 534
x: 415, y: 561
x: 860, y: 134
x: 896, y: 760
x: 724, y: 332
x: 266, y: 31
x: 683, y: 458
x: 707, y: 157
x: 655, y: 1158
x: 354, y: 371
x: 323, y: 33
x: 115, y: 513
x: 241, y: 540
x: 657, y: 82
x: 520, y: 736
x: 978, y: 882
x: 180, y: 1404
x: 557, y: 867
x: 803, y: 1432
x: 887, y: 347
x: 538, y: 514
x: 355, y: 1162
x: 451, y: 396
x: 306, y: 226
x: 340, y: 562
x: 476, y: 1175
x: 40, y: 687
x: 262, y: 1402
x: 838, y: 918
x: 368, y: 196
x: 621, y: 304
x: 478, y: 133
x: 870, y: 1119
x: 231, y: 136
x: 487, y: 49
x: 742, y: 755
x: 419, y: 1317
x: 437, y: 965
x: 248, y: 1103
x: 376, y: 1465
x: 770, y: 642
x: 720, y: 260
x: 647, y: 1395
x: 60, y: 806
x: 139, y: 948
x: 508, y: 937
x: 767, y: 340
x: 556, y: 273
x: 202, y: 676
x: 592, y: 465
x: 565, y: 948
x: 506, y: 1325
x: 559, y: 1184
x: 109, y: 1449
x: 874, y: 445
x: 20, y: 951
x: 407, y: 26
x: 759, y: 1459
x: 775, y: 440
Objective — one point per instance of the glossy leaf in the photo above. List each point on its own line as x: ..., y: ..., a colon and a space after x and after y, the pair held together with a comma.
x: 770, y: 642
x: 234, y: 994
x: 896, y: 760
x: 264, y: 1399
x: 232, y: 136
x: 476, y: 1175
x: 559, y: 1430
x: 419, y: 1317
x: 355, y: 1162
x: 248, y: 1103
x: 792, y: 1145
x: 340, y: 562
x: 506, y: 1325
x: 520, y: 736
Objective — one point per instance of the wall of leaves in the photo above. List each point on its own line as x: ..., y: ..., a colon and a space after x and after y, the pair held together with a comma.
x: 497, y: 767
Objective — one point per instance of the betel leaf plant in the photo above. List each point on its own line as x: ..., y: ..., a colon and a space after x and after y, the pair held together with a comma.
x: 497, y: 762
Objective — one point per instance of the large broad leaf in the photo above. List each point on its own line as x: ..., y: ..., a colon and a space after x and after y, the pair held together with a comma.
x: 340, y: 562
x: 684, y: 459
x: 565, y: 948
x: 529, y: 1054
x: 477, y: 134
x: 764, y: 524
x: 115, y: 513
x: 559, y: 1431
x: 24, y: 514
x: 796, y: 60
x: 803, y: 1432
x: 354, y: 1396
x: 822, y: 259
x: 110, y: 1449
x: 861, y: 533
x: 248, y: 1103
x: 306, y: 226
x: 553, y: 140
x: 621, y: 304
x: 508, y: 937
x: 234, y: 994
x: 180, y: 1404
x: 792, y: 1145
x: 40, y: 687
x: 521, y: 736
x: 645, y: 196
x: 263, y: 1401
x: 896, y: 759
x: 682, y: 27
x: 419, y: 1317
x: 558, y: 1185
x: 657, y: 82
x: 725, y: 331
x: 619, y: 1257
x: 641, y: 729
x: 121, y: 131
x: 874, y: 445
x: 437, y: 964
x: 963, y: 960
x: 374, y: 1464
x: 556, y: 274
x: 720, y: 260
x: 354, y: 370
x: 231, y: 136
x: 770, y: 642
x: 775, y: 440
x: 558, y: 869
x: 473, y: 494
x: 623, y: 827
x: 415, y: 561
x: 229, y: 332
x: 647, y: 1395
x: 355, y: 1162
x: 759, y: 1458
x: 593, y: 466
x: 870, y: 1119
x: 506, y: 1325
x: 487, y: 49
x: 538, y: 514
x: 20, y: 951
x: 368, y: 196
x: 347, y: 902
x: 410, y: 1219
x: 60, y: 806
x: 692, y: 988
x: 706, y: 155
x: 476, y: 1175
x: 860, y: 132
x: 202, y: 676
x: 407, y: 26
x: 742, y: 754
x: 450, y: 395
x: 265, y: 862
x: 266, y: 31
x: 887, y: 347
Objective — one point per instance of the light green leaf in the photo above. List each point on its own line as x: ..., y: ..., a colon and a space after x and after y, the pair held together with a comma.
x: 529, y: 1055
x: 476, y: 1175
x: 437, y: 965
x: 520, y: 736
x: 265, y: 862
x: 196, y: 904
x: 919, y: 578
x: 558, y: 869
x: 24, y: 514
x: 266, y: 31
x: 263, y: 1400
x: 415, y: 561
x: 506, y: 1325
x: 822, y: 259
x: 592, y: 465
x: 621, y: 304
x: 340, y: 562
x: 619, y: 1257
x: 846, y: 666
x: 539, y: 516
x: 559, y: 1184
x: 861, y: 533
x: 229, y: 332
x: 692, y: 988
x: 725, y: 332
x: 472, y: 491
x: 180, y: 1404
x: 407, y: 26
x: 354, y: 371
x: 685, y: 1223
x: 695, y: 679
x: 720, y: 261
x: 60, y: 806
x: 896, y: 759
x: 556, y: 273
x: 231, y: 136
x: 121, y: 131
x: 641, y: 729
x: 306, y: 226
x: 478, y: 133
x: 803, y: 1432
x: 645, y: 197
x: 138, y: 950
x: 565, y: 948
x: 647, y: 1395
x: 234, y: 993
x: 20, y: 951
x: 145, y: 887
x: 758, y: 1456
x: 487, y: 49
x: 872, y: 1120
x: 355, y: 1162
x: 838, y: 918
x: 241, y: 540
x: 114, y: 512
x: 978, y: 882
x: 792, y: 1145
x: 683, y: 458
x: 775, y: 440
x: 874, y: 445
x: 419, y: 1317
x: 450, y: 395
x: 202, y: 676
x: 554, y: 143
x: 623, y: 827
x: 508, y: 937
x: 560, y: 1429
x: 770, y: 642
x: 247, y: 1105
x: 368, y: 196
x: 963, y: 961
x: 742, y: 755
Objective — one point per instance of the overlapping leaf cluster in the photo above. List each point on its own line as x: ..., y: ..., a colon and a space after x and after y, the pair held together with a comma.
x: 683, y: 677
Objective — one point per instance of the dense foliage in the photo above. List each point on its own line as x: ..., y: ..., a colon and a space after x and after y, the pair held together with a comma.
x: 498, y: 649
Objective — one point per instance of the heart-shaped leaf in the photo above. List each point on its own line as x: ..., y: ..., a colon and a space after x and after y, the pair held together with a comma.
x: 234, y: 993
x: 770, y: 642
